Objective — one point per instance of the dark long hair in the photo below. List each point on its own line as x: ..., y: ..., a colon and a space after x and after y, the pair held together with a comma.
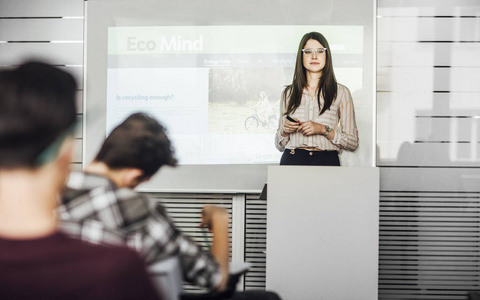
x: 327, y: 87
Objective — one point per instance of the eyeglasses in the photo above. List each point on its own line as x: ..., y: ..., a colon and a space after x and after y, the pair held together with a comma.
x: 309, y: 51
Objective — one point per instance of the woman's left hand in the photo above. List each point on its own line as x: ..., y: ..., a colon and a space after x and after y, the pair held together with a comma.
x: 310, y: 128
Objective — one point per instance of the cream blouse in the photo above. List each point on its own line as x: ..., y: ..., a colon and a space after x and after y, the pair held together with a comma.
x: 340, y: 117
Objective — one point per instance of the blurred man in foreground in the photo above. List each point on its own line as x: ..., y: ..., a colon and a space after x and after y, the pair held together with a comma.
x: 37, y: 117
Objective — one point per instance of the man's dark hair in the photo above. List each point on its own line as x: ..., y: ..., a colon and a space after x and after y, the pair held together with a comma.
x: 37, y: 106
x: 139, y: 142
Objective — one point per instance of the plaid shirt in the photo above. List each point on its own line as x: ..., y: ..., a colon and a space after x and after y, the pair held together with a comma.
x: 108, y: 214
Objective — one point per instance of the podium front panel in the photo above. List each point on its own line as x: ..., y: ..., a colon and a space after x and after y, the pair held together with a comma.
x: 322, y: 232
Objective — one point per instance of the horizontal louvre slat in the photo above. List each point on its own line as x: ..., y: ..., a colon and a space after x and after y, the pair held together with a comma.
x: 467, y: 245
x: 433, y: 207
x: 199, y: 198
x: 52, y: 53
x: 256, y: 254
x: 187, y: 207
x: 408, y: 104
x: 428, y: 8
x: 430, y: 199
x: 419, y: 261
x: 422, y: 180
x: 41, y: 8
x: 419, y: 273
x: 35, y: 30
x: 395, y: 295
x: 426, y: 195
x: 449, y: 154
x: 394, y: 54
x: 451, y: 239
x: 471, y: 243
x: 398, y: 266
x: 437, y: 225
x: 433, y: 288
x: 401, y: 29
x: 447, y: 229
x: 424, y: 252
x: 254, y: 226
x: 416, y: 233
x: 465, y: 280
x: 256, y: 216
x: 425, y: 79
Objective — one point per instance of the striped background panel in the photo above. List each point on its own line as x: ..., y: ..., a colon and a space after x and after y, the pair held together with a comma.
x: 50, y: 31
x: 185, y: 211
x: 255, y: 241
x: 429, y: 245
x: 427, y: 75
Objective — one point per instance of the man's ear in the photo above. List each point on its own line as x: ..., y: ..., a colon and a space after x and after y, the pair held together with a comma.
x: 131, y: 177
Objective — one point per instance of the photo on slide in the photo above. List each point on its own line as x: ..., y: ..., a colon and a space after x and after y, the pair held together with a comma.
x: 245, y: 100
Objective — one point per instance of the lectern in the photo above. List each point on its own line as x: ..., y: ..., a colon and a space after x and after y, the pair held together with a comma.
x: 322, y: 232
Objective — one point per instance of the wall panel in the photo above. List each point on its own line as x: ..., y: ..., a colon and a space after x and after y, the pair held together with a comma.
x: 34, y: 30
x: 428, y: 107
x: 255, y: 241
x: 416, y: 8
x: 429, y: 54
x: 40, y: 8
x: 428, y: 29
x: 55, y: 53
x: 431, y: 79
x: 50, y: 31
x: 185, y: 211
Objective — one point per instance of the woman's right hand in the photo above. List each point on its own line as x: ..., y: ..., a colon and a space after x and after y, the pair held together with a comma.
x: 289, y: 127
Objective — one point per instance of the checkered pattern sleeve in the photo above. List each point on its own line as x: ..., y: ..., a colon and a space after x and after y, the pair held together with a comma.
x: 106, y: 213
x: 160, y: 239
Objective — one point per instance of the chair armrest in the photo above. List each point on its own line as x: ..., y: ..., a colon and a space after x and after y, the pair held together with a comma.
x: 238, y: 267
x: 167, y: 278
x: 236, y: 270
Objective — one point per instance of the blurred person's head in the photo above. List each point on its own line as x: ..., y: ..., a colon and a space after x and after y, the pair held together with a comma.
x: 135, y: 150
x: 37, y: 112
x: 37, y: 116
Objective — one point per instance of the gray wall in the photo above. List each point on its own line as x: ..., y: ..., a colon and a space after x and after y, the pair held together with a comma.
x: 428, y: 109
x: 50, y: 30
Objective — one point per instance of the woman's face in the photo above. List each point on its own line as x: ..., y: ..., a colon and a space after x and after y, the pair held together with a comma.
x: 314, y: 62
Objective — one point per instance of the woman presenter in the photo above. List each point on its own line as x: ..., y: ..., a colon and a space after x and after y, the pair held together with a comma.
x: 317, y: 114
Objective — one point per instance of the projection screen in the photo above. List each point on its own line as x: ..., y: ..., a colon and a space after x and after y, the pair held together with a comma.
x: 212, y: 72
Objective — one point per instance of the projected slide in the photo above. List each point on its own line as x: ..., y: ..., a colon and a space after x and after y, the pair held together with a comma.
x: 216, y: 88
